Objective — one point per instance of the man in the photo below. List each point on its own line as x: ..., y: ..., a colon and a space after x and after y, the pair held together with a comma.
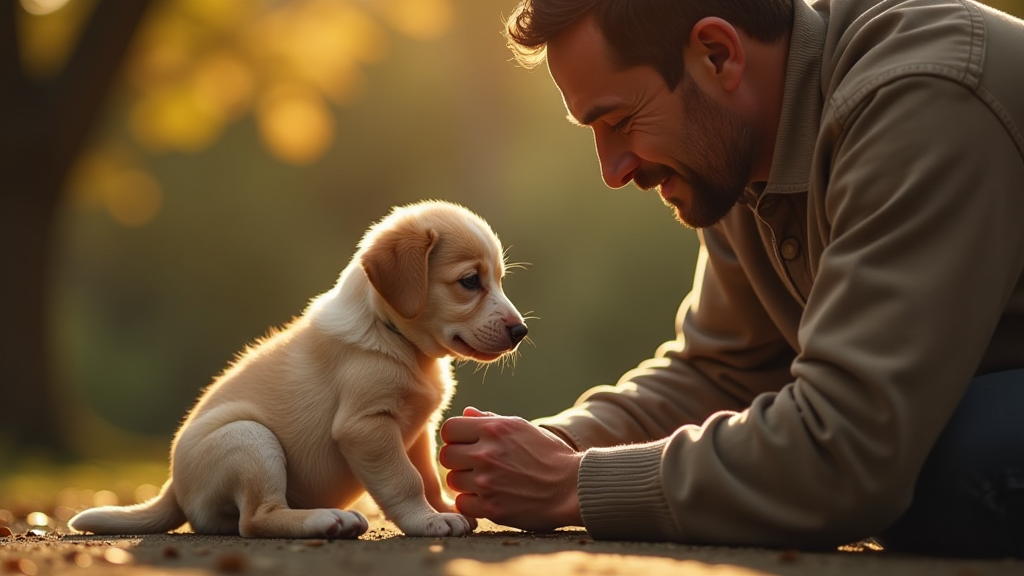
x: 850, y: 361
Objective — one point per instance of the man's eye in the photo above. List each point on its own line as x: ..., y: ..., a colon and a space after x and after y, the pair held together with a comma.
x: 621, y: 124
x: 471, y: 282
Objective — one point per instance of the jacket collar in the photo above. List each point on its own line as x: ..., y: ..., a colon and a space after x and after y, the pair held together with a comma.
x: 802, y: 101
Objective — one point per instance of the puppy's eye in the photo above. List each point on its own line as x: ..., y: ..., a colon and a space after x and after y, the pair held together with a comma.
x: 471, y: 282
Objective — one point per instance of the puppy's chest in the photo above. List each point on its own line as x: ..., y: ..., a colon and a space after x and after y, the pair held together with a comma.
x: 427, y: 398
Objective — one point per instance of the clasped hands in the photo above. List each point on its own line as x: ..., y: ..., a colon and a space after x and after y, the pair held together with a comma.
x: 510, y: 471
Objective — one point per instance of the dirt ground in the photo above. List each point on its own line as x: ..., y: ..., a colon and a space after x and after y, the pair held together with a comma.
x: 491, y: 550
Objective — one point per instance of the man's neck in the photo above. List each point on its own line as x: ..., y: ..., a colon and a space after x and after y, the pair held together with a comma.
x: 767, y: 64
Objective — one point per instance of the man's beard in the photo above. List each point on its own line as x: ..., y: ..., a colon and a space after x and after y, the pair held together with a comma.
x: 719, y: 146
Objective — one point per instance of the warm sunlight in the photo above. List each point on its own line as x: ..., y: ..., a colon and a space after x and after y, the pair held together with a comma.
x: 579, y: 562
x: 106, y: 178
x: 420, y: 19
x: 323, y: 43
x: 174, y: 119
x: 133, y: 198
x: 295, y: 123
x: 199, y: 66
x: 47, y: 30
x: 41, y: 7
x: 224, y: 85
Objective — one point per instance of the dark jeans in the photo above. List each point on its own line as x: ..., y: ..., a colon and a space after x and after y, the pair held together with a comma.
x: 969, y: 498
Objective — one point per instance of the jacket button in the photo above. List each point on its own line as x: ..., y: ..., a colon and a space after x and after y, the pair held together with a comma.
x: 790, y: 249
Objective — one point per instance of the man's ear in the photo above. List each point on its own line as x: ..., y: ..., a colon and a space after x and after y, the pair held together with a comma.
x: 715, y: 54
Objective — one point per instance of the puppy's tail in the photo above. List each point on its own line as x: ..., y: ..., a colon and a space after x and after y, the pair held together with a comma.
x: 160, y: 514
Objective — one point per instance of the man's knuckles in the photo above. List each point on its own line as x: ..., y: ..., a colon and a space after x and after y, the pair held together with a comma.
x: 501, y: 427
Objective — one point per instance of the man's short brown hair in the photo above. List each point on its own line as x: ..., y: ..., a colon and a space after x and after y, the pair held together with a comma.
x: 650, y: 32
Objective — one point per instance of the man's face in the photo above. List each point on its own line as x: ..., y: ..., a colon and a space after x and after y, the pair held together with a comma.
x: 695, y: 152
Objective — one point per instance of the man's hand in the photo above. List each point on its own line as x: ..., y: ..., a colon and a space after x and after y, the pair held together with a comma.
x: 510, y: 471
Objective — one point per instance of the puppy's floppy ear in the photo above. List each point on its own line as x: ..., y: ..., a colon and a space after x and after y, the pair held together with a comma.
x: 396, y: 264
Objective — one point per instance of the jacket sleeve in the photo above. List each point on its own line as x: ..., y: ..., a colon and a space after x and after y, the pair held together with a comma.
x: 926, y: 248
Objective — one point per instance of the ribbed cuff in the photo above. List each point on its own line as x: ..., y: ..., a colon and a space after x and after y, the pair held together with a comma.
x: 621, y: 495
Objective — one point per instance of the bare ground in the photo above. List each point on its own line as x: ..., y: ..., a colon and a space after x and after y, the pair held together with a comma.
x: 490, y: 550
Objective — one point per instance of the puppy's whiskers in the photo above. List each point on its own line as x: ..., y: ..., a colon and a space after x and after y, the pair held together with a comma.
x: 511, y: 266
x: 485, y: 368
x: 512, y: 359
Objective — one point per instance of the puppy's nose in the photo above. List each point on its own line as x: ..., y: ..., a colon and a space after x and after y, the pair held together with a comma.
x: 517, y: 333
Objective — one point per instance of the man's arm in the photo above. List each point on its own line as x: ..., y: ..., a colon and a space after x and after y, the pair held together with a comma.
x: 923, y: 256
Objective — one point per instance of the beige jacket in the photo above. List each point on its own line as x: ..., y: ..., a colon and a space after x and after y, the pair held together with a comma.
x: 837, y: 317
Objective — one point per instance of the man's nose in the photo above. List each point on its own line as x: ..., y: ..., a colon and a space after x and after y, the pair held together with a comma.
x: 618, y: 163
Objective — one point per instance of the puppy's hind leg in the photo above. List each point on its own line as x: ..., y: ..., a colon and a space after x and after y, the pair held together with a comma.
x: 252, y: 469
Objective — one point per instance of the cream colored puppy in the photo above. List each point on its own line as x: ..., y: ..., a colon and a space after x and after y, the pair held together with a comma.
x: 345, y: 399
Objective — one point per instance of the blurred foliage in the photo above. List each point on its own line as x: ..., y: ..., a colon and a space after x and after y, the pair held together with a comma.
x: 198, y: 65
x: 252, y: 142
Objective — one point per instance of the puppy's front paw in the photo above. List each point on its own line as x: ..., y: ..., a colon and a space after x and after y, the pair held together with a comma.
x: 439, y: 525
x: 334, y: 523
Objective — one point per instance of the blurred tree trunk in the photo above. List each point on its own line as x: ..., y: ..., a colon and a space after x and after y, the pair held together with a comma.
x: 44, y: 126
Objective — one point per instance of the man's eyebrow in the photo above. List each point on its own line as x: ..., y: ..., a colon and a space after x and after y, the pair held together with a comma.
x: 592, y: 115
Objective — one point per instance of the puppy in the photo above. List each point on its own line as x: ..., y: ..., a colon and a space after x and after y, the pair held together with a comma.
x: 344, y: 399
